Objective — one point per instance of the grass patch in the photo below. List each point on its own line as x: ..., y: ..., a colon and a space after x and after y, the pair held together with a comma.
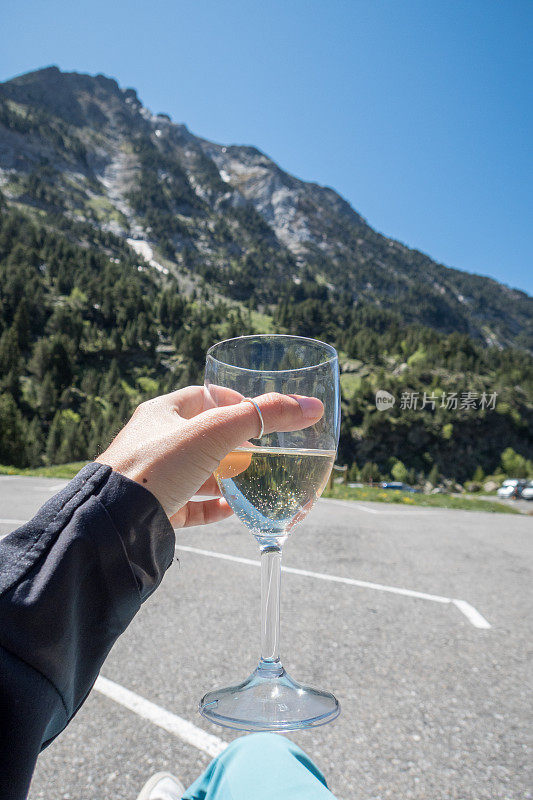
x: 376, y: 495
x: 261, y: 323
x: 350, y: 384
x: 105, y: 210
x: 58, y: 471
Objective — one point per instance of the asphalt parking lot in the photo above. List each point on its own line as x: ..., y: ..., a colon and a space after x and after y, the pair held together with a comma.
x: 419, y: 620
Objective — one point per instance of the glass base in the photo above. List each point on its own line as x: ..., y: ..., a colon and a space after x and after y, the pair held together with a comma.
x: 269, y: 700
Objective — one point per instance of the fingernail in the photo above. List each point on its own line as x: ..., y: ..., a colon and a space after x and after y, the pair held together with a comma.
x: 311, y: 406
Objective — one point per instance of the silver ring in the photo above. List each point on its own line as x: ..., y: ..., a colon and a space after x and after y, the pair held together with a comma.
x: 249, y: 400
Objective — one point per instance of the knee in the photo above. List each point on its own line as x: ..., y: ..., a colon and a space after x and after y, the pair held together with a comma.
x: 260, y: 745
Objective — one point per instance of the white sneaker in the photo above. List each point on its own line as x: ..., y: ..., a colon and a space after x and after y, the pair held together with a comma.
x: 162, y: 786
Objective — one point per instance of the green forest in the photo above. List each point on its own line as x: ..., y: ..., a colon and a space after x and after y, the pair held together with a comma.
x: 87, y: 331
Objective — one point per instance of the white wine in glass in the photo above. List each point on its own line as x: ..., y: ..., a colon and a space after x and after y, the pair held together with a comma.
x: 271, y: 489
x: 272, y: 484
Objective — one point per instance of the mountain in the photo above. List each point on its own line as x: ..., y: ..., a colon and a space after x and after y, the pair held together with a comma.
x: 226, y: 220
x: 128, y: 246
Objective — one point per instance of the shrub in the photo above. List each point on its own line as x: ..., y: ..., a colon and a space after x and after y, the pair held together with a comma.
x: 370, y: 473
x: 514, y: 465
x: 399, y: 472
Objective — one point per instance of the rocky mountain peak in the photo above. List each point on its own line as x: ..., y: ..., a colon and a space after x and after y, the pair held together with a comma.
x: 82, y: 146
x: 74, y: 97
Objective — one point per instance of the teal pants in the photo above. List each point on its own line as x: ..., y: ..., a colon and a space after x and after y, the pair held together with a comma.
x: 260, y: 766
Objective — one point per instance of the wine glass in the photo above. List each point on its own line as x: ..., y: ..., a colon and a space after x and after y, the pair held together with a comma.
x: 272, y: 484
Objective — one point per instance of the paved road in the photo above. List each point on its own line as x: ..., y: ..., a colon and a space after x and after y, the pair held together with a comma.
x: 520, y: 504
x: 433, y: 707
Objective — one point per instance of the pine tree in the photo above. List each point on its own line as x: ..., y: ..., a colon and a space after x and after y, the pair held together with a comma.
x: 353, y: 473
x: 434, y: 475
x: 479, y: 475
x: 9, y: 352
x: 40, y: 359
x: 21, y: 324
x: 370, y: 473
x: 116, y: 341
x: 12, y: 433
x: 90, y: 381
x: 47, y: 397
x: 164, y: 310
x: 35, y: 443
x: 53, y: 441
x: 60, y: 364
x: 124, y: 410
x: 111, y: 379
x: 73, y: 446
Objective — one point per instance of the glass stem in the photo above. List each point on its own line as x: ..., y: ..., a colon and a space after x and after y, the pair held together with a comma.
x: 270, y: 602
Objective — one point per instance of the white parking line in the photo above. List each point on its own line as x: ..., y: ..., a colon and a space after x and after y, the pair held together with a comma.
x: 159, y: 716
x: 349, y: 504
x: 471, y: 613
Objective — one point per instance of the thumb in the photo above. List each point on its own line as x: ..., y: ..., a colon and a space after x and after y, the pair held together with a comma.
x: 229, y: 426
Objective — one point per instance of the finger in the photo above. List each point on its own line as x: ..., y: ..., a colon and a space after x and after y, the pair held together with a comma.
x: 234, y: 464
x: 229, y: 426
x: 210, y: 487
x: 221, y: 396
x: 201, y: 513
x: 192, y: 400
x: 230, y: 466
x: 188, y: 401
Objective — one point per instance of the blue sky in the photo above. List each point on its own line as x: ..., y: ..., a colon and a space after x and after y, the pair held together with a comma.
x: 417, y: 111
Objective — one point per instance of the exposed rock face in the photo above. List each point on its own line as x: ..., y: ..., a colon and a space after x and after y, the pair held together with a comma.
x: 81, y: 146
x: 274, y: 193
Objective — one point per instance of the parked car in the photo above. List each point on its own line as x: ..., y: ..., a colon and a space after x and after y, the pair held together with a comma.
x: 398, y: 486
x: 511, y: 488
x: 527, y: 491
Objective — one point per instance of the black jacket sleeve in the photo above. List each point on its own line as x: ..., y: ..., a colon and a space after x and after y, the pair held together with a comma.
x: 71, y: 580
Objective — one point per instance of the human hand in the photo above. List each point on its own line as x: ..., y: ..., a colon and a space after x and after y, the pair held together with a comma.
x: 172, y: 445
